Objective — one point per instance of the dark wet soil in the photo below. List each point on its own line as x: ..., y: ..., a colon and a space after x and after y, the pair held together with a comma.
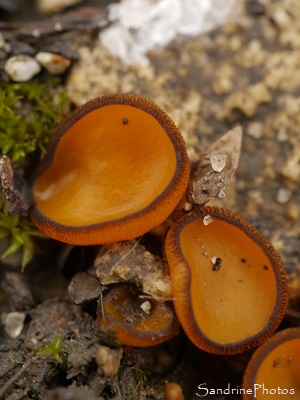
x: 246, y: 73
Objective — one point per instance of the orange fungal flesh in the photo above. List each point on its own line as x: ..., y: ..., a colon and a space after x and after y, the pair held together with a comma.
x: 229, y: 284
x: 158, y: 318
x: 113, y: 161
x: 281, y: 368
x: 235, y: 301
x: 275, y: 366
x: 137, y: 319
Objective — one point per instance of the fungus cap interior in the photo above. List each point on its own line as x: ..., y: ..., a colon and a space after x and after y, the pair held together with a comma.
x: 280, y: 368
x: 235, y: 301
x: 125, y: 307
x: 112, y: 162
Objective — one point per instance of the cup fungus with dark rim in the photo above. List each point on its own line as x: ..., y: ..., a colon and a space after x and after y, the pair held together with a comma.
x: 114, y: 170
x: 137, y: 319
x: 229, y: 284
x: 274, y: 365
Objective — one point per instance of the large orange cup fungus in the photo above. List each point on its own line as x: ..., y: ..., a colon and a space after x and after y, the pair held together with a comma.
x: 274, y: 369
x: 229, y: 284
x: 115, y: 169
x: 137, y: 319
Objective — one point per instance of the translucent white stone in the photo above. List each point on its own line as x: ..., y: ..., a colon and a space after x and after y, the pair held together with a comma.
x: 218, y: 162
x: 207, y: 220
x: 13, y: 323
x: 21, y: 68
x: 146, y: 307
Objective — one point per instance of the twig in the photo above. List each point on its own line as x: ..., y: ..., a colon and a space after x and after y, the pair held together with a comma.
x: 14, y: 378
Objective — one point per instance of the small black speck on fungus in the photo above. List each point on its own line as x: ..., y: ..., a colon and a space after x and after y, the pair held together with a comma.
x: 217, y: 264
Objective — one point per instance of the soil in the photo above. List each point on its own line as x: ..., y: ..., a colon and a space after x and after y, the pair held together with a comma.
x: 245, y: 73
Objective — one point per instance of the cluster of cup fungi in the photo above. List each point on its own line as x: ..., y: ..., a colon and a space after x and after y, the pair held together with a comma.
x: 117, y: 168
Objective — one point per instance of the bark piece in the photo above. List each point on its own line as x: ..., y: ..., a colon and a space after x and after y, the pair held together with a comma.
x: 130, y: 262
x: 216, y: 168
x: 17, y: 292
x: 14, y: 189
x: 83, y: 288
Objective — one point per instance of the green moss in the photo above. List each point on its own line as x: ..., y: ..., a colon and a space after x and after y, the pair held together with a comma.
x: 29, y: 113
x: 18, y: 232
x: 52, y: 348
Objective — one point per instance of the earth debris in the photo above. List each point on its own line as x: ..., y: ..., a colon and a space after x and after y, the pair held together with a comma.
x: 242, y: 76
x: 130, y: 262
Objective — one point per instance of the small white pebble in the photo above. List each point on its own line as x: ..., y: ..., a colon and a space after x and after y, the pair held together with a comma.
x: 36, y: 33
x: 108, y: 360
x: 218, y: 162
x: 188, y: 206
x: 13, y: 323
x: 221, y: 194
x: 21, y: 68
x: 213, y: 260
x: 54, y: 63
x: 207, y: 220
x: 282, y: 135
x: 146, y: 307
x: 54, y: 6
x: 255, y: 129
x: 173, y: 391
x: 58, y: 26
x: 281, y: 17
x: 284, y: 195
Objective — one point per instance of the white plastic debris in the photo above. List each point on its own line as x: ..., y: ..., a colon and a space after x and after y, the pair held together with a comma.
x: 142, y: 25
x: 13, y: 323
x: 54, y: 63
x: 207, y: 220
x: 218, y: 162
x: 21, y: 68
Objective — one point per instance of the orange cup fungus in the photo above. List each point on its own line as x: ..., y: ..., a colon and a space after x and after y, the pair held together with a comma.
x: 229, y: 284
x: 115, y: 169
x: 274, y: 369
x: 136, y: 319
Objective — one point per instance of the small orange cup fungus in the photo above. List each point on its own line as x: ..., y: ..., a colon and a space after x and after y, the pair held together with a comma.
x: 229, y: 284
x: 274, y: 369
x: 137, y: 320
x: 115, y: 169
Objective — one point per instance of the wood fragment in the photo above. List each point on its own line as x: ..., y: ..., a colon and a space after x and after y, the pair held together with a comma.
x: 216, y: 168
x: 14, y: 189
x: 130, y: 262
x: 81, y: 19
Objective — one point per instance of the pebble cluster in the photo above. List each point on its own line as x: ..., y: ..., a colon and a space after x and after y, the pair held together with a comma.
x: 22, y: 67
